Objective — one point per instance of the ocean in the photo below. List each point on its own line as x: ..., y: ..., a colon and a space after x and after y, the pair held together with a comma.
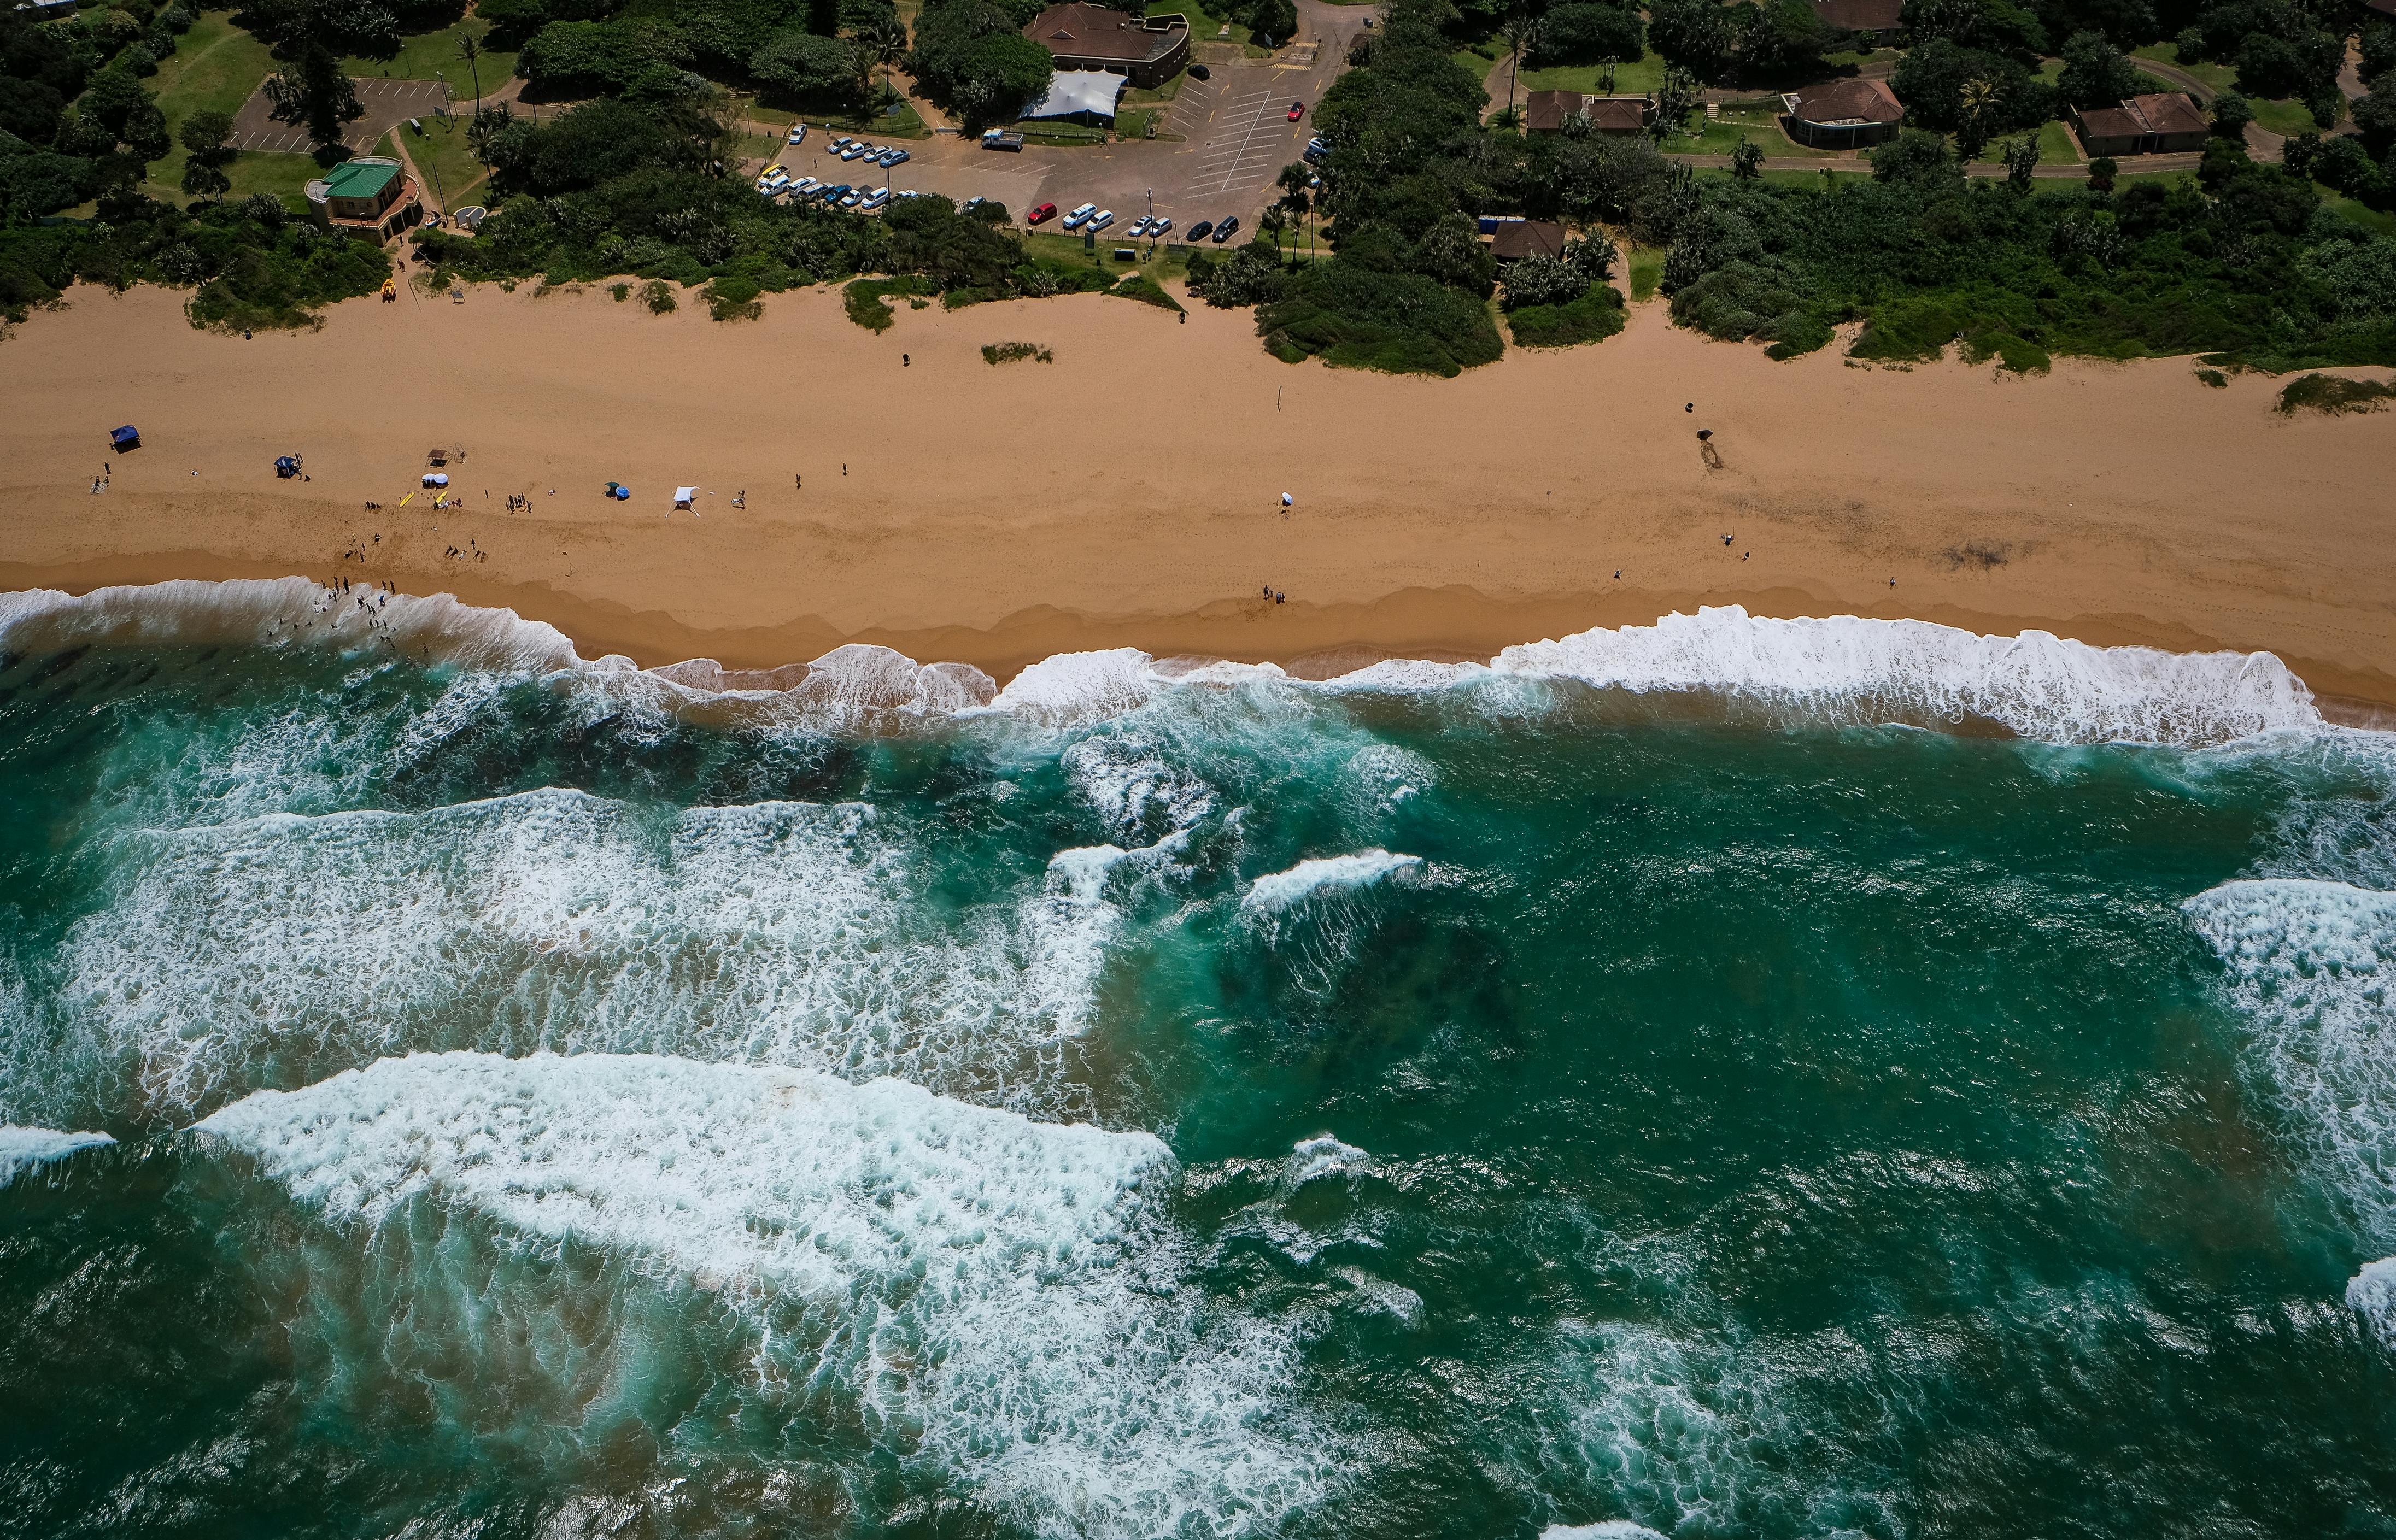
x: 1726, y: 1078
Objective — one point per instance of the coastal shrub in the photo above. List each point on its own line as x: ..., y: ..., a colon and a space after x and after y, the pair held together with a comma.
x: 732, y: 298
x: 2212, y: 380
x: 1596, y: 315
x: 996, y: 353
x: 1400, y: 322
x: 867, y: 303
x: 1140, y: 287
x: 2333, y: 396
x: 658, y: 297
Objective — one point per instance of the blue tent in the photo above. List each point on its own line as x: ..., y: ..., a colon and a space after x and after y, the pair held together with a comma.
x: 127, y: 437
x: 286, y: 467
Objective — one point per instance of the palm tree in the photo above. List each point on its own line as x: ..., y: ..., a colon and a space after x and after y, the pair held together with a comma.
x: 1520, y: 31
x: 469, y: 49
x: 1977, y: 99
x: 886, y: 41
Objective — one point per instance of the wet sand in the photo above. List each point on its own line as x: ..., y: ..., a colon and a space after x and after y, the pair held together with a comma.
x: 1129, y: 493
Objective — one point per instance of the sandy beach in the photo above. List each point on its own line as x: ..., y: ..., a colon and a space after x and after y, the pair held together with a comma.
x: 1129, y: 493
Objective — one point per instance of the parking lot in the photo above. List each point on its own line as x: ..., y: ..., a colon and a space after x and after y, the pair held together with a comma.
x: 388, y: 103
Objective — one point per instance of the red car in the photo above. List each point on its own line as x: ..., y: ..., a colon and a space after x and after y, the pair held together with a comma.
x: 1296, y: 110
x: 1046, y: 211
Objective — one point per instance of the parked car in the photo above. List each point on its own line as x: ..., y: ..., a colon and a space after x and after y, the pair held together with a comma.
x: 1200, y: 230
x: 837, y: 145
x: 895, y: 156
x: 876, y: 198
x: 833, y: 195
x: 1080, y: 215
x: 1102, y: 219
x: 1139, y: 227
x: 1159, y: 225
x: 851, y: 151
x: 1200, y: 72
x: 970, y: 205
x: 851, y: 198
x: 1296, y: 110
x: 798, y: 134
x: 1225, y: 231
x: 1046, y: 211
x: 999, y: 139
x: 805, y: 185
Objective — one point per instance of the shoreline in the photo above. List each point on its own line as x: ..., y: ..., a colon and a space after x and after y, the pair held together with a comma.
x: 1127, y: 495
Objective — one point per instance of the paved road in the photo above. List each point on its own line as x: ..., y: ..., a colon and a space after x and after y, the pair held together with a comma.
x: 388, y: 103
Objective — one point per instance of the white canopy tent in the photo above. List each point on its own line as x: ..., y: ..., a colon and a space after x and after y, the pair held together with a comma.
x: 682, y: 496
x: 1073, y: 92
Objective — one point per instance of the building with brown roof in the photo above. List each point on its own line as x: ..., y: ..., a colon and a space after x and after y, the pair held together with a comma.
x: 1882, y: 20
x: 1516, y: 238
x: 1150, y: 49
x: 2158, y: 122
x: 1842, y: 114
x: 1546, y: 112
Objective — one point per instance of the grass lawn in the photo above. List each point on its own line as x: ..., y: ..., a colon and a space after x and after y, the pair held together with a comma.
x: 2377, y: 219
x: 1735, y: 128
x: 1797, y: 179
x: 2220, y: 78
x: 1647, y: 270
x: 1635, y: 78
x: 2290, y: 117
x: 2056, y: 145
x: 1136, y: 96
x: 433, y: 54
x: 450, y: 171
x: 216, y: 64
x: 1203, y: 23
x: 253, y: 171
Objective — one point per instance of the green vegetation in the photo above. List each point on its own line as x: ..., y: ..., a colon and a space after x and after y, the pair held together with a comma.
x: 867, y: 299
x: 1147, y: 290
x: 1593, y: 317
x: 2244, y: 268
x: 436, y: 56
x: 2212, y: 380
x: 2333, y: 396
x: 996, y: 353
x: 248, y: 263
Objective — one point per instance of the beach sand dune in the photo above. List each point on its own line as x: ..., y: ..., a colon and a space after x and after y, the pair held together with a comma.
x: 1129, y: 493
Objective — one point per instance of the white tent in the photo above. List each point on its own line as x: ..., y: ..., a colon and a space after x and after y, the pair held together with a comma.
x: 1076, y: 91
x: 682, y: 496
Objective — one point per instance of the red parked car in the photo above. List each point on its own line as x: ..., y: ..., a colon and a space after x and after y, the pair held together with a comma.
x: 1296, y: 110
x: 1046, y: 211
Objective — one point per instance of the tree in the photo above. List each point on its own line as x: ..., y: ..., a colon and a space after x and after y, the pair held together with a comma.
x: 1747, y: 161
x: 886, y: 41
x: 2375, y: 117
x: 1915, y: 156
x: 1587, y: 33
x: 803, y: 65
x: 1978, y: 101
x: 1675, y: 95
x: 1693, y: 34
x: 469, y: 49
x: 2101, y: 172
x: 2232, y: 114
x: 2021, y: 162
x: 314, y: 93
x: 1539, y: 279
x: 2378, y: 50
x: 2095, y: 74
x: 206, y: 134
x: 483, y: 134
x: 1520, y: 31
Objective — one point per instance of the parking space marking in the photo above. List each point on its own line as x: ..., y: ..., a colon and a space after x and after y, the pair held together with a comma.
x: 1244, y: 150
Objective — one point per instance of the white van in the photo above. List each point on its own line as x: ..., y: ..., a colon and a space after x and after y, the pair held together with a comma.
x: 1073, y: 220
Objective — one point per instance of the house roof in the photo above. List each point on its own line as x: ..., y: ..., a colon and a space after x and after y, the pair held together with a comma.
x: 1544, y: 112
x: 2166, y: 113
x: 360, y: 178
x: 1867, y: 15
x: 1853, y: 99
x: 1093, y: 31
x: 1528, y: 237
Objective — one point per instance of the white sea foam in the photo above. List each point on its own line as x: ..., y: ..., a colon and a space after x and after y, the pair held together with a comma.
x: 23, y: 1148
x: 2372, y: 1294
x: 279, y: 949
x: 1838, y: 668
x: 1609, y: 1529
x: 2038, y: 686
x: 2310, y: 966
x: 990, y: 1293
x: 1325, y: 874
x: 1310, y: 1160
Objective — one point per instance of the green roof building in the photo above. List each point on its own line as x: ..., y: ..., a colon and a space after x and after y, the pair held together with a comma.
x: 369, y: 196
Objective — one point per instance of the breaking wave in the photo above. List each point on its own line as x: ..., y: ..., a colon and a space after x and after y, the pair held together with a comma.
x: 1840, y: 668
x: 23, y: 1148
x: 989, y: 1300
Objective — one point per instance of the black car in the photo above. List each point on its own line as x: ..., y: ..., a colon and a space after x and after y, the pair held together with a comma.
x: 1198, y: 232
x: 1200, y: 72
x: 1223, y: 232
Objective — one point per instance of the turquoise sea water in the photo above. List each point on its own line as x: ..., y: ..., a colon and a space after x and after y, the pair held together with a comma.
x: 1740, y: 1081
